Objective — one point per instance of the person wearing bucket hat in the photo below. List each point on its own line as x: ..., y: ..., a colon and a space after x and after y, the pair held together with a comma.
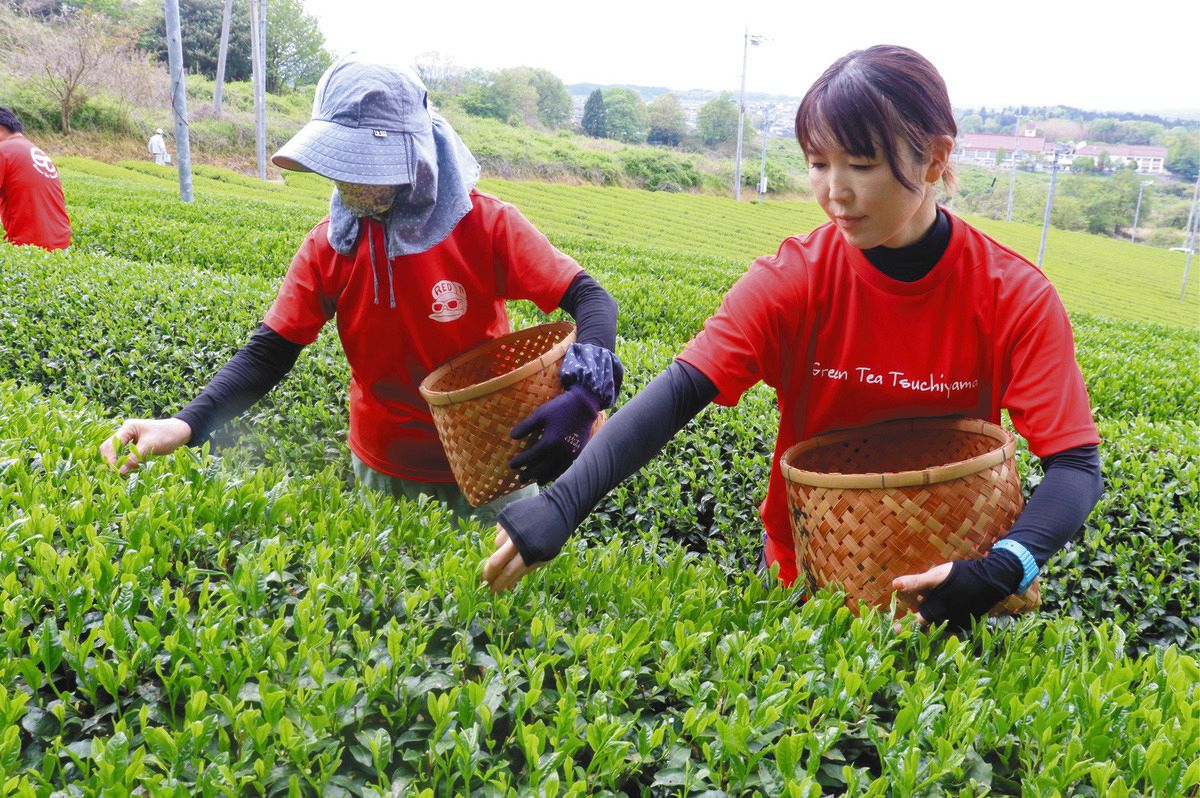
x: 157, y: 146
x: 893, y: 309
x: 416, y: 264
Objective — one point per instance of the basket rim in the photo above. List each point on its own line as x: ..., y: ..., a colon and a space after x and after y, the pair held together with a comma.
x: 902, y: 479
x: 555, y: 353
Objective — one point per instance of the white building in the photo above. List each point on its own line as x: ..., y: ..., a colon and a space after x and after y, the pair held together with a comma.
x: 1150, y: 160
x: 997, y: 150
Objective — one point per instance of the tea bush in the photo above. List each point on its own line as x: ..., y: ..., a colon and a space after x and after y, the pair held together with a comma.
x: 191, y: 630
x: 247, y: 623
x: 659, y: 170
x: 702, y: 492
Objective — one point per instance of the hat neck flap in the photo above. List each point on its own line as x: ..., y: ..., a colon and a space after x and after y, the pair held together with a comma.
x: 425, y: 216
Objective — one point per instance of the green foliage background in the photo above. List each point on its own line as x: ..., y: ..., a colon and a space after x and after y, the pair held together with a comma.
x: 251, y: 624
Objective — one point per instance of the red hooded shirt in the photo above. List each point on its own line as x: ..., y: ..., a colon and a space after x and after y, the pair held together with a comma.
x: 399, y: 319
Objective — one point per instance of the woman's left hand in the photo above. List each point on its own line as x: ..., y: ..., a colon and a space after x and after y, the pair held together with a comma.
x: 921, y: 585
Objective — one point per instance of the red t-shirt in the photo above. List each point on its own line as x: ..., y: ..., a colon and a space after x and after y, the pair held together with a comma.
x: 32, y: 207
x: 843, y: 345
x: 446, y: 300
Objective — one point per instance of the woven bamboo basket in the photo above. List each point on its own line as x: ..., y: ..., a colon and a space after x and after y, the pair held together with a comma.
x: 477, y: 397
x: 878, y: 502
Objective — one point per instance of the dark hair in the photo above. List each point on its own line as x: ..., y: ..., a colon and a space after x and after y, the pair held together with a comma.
x: 10, y: 120
x: 869, y: 99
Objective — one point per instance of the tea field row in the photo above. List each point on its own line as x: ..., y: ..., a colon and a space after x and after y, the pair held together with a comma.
x: 148, y: 357
x: 241, y: 621
x: 196, y: 631
x: 1111, y: 278
x: 116, y: 215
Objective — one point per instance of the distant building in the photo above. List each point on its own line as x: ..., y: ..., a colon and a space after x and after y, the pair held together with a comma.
x: 1150, y: 160
x: 997, y: 150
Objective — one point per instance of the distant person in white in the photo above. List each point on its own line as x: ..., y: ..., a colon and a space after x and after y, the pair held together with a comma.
x: 158, y: 148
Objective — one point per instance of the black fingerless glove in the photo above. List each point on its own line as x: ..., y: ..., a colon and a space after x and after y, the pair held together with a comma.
x: 972, y: 589
x: 536, y: 526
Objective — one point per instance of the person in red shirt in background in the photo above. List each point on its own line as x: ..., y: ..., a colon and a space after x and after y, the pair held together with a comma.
x: 415, y: 264
x: 893, y: 309
x: 32, y: 207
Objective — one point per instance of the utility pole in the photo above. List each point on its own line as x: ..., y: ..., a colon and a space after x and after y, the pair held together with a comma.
x: 183, y: 147
x: 1012, y: 184
x: 1137, y: 211
x: 1012, y: 178
x: 261, y: 126
x: 737, y: 162
x: 226, y: 18
x: 1049, y: 201
x: 762, y: 169
x: 1193, y: 224
x: 1191, y: 250
x: 258, y: 57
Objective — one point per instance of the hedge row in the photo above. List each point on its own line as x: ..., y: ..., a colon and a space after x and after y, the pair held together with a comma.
x: 149, y: 356
x: 192, y: 631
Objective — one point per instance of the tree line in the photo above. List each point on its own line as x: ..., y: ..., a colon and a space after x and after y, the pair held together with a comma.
x: 538, y: 98
x: 620, y: 113
x: 70, y: 52
x: 296, y: 52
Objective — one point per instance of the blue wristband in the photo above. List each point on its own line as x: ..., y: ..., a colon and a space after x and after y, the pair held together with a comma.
x: 1028, y: 564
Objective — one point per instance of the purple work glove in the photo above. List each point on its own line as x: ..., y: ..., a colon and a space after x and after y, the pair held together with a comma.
x: 565, y: 425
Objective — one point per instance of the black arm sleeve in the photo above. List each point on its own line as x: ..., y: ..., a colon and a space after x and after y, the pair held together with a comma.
x: 539, y: 526
x: 1062, y: 502
x: 256, y: 368
x: 594, y: 311
x: 1071, y: 487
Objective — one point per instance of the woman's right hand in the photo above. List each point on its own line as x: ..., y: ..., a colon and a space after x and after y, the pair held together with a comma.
x: 506, y: 566
x: 149, y: 436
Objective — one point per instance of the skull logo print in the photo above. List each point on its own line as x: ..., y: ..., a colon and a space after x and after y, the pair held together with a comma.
x: 449, y: 301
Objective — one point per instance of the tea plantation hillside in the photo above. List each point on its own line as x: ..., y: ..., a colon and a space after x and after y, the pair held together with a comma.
x: 241, y: 621
x: 1093, y: 274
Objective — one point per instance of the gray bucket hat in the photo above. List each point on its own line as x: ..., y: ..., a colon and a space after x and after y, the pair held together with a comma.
x: 370, y: 125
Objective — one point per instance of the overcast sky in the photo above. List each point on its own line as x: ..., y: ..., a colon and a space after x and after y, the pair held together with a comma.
x: 1142, y: 56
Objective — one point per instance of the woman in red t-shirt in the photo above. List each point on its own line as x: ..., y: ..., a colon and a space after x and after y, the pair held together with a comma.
x: 892, y: 309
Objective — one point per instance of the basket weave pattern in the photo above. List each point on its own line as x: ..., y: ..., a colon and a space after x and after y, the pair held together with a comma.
x: 477, y: 397
x: 897, y: 498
